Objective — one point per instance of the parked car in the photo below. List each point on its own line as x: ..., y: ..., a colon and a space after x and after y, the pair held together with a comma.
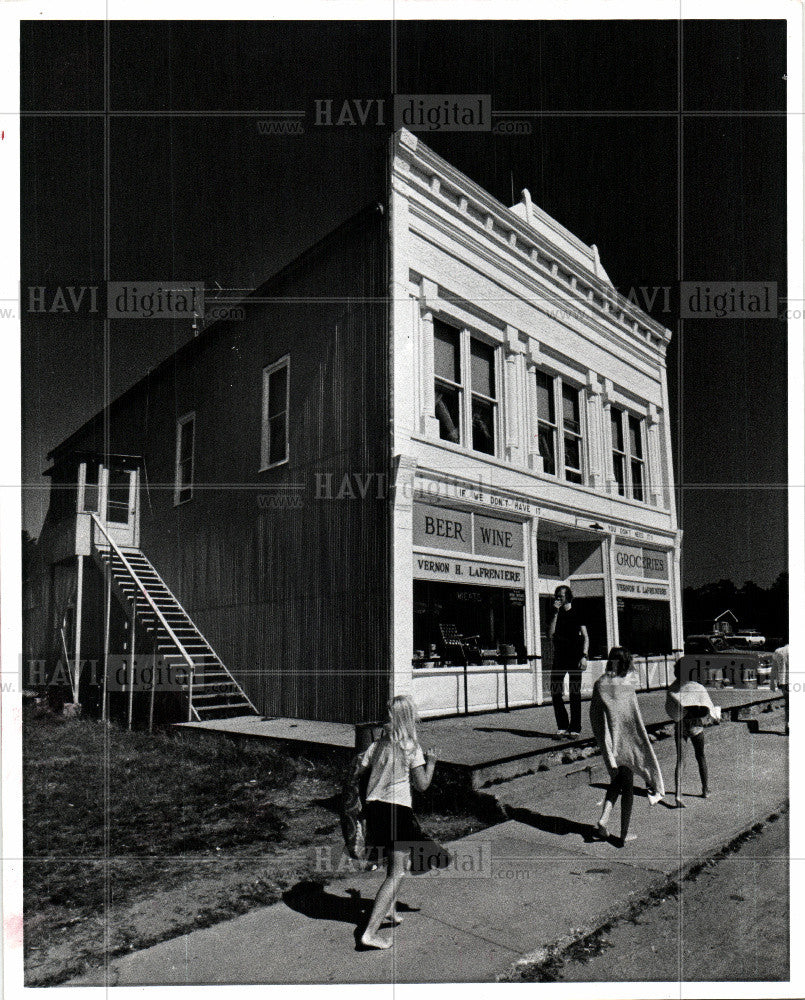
x: 713, y: 643
x: 718, y: 661
x: 750, y: 638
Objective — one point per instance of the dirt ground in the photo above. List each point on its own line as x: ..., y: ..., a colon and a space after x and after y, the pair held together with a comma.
x: 729, y: 922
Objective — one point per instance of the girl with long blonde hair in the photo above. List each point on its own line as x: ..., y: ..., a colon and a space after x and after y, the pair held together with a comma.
x: 396, y: 761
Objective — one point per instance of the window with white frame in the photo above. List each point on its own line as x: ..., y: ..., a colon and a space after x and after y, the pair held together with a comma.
x: 448, y: 390
x: 91, y: 485
x: 560, y: 427
x: 546, y: 420
x: 628, y: 460
x: 276, y: 399
x: 185, y: 452
x: 636, y: 467
x: 465, y: 388
x: 484, y: 403
x: 571, y: 433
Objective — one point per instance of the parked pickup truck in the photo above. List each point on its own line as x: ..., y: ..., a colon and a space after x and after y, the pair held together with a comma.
x: 712, y: 660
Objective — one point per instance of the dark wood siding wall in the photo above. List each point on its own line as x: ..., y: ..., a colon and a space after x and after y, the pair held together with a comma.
x: 295, y: 599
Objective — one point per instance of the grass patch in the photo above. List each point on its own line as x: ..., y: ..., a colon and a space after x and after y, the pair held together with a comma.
x: 133, y: 838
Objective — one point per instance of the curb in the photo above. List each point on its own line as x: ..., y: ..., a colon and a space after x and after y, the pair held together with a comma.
x: 529, y: 965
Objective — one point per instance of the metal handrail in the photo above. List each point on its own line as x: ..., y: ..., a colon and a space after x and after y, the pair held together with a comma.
x: 212, y: 652
x: 176, y: 601
x: 528, y: 657
x: 174, y: 638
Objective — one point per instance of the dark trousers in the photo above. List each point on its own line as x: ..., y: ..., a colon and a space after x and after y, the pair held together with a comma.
x: 622, y: 784
x: 557, y: 685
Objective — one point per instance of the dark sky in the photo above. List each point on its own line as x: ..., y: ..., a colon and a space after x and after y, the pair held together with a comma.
x: 699, y: 195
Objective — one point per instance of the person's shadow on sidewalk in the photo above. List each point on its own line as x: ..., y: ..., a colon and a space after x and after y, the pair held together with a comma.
x: 332, y: 802
x: 559, y: 825
x: 312, y: 900
x: 526, y: 733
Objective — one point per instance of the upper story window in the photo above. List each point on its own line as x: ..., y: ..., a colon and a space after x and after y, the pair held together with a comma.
x: 91, y: 495
x: 627, y: 453
x: 571, y: 427
x: 276, y: 400
x: 484, y: 403
x: 448, y: 388
x: 185, y: 457
x: 465, y: 390
x: 559, y: 428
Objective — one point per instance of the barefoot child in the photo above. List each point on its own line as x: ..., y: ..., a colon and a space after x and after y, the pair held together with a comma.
x: 623, y: 741
x: 395, y: 761
x: 690, y: 706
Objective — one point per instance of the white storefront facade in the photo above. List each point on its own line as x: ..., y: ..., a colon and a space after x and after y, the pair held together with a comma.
x: 532, y: 447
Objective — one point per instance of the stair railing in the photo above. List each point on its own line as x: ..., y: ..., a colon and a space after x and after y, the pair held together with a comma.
x: 176, y: 601
x: 174, y: 638
x: 218, y: 660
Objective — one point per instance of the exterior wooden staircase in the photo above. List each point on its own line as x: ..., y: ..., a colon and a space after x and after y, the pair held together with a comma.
x: 212, y: 692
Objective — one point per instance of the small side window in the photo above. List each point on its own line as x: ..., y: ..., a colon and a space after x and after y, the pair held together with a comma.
x: 185, y: 457
x: 276, y: 401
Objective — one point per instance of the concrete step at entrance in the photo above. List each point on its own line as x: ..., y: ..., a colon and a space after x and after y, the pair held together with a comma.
x: 497, y: 746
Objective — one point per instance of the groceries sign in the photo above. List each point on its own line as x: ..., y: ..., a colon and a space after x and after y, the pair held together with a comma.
x: 641, y: 561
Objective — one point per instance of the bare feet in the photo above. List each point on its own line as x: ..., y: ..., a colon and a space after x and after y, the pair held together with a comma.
x: 394, y: 918
x: 679, y: 803
x: 373, y: 941
x: 654, y: 798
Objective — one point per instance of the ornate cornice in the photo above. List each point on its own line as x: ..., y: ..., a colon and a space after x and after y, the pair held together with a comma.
x: 653, y: 355
x: 616, y: 312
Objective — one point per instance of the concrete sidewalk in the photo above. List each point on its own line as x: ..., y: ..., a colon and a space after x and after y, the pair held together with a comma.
x: 491, y: 738
x: 548, y: 884
x: 482, y: 747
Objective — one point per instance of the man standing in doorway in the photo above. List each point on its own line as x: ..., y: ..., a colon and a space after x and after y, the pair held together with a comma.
x: 570, y: 646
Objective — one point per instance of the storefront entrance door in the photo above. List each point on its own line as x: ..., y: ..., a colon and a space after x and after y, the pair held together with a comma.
x: 546, y: 613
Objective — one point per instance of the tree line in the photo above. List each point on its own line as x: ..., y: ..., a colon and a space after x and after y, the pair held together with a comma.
x: 761, y: 608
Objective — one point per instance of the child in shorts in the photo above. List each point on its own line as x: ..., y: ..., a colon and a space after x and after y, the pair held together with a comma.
x: 690, y: 706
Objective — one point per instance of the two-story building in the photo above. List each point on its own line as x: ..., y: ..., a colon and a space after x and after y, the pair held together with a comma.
x: 532, y: 434
x: 374, y: 481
